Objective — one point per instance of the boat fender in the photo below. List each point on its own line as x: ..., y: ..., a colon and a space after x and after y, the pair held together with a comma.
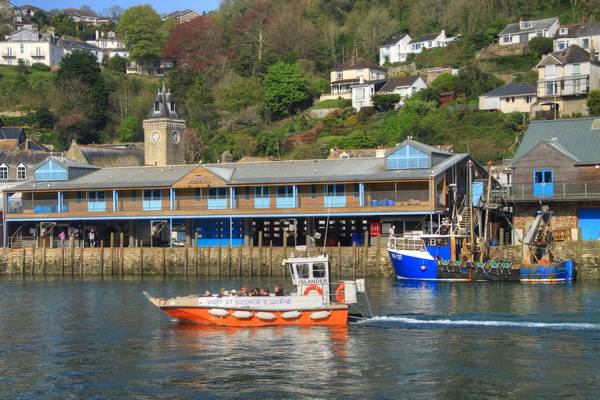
x: 320, y: 315
x: 338, y: 293
x: 265, y: 316
x: 242, y: 314
x: 218, y: 312
x: 291, y: 314
x: 423, y: 267
x: 312, y: 287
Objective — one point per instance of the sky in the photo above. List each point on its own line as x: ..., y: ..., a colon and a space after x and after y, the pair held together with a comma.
x: 162, y: 6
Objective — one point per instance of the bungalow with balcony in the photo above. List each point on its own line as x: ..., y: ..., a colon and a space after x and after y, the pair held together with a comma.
x: 558, y: 164
x: 363, y: 92
x: 523, y: 31
x: 513, y: 97
x: 564, y: 80
x: 343, y: 76
x: 586, y: 36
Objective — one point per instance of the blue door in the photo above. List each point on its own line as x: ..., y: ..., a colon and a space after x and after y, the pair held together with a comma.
x: 589, y: 223
x: 543, y: 183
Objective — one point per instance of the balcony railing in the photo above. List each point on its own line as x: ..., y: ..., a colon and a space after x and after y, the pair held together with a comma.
x: 572, y: 85
x: 558, y: 191
x: 33, y: 54
x: 401, y: 199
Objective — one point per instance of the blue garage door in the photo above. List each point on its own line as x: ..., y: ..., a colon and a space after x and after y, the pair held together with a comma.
x: 589, y: 223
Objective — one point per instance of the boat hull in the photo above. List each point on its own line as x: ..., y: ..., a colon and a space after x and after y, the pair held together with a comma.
x: 548, y: 273
x: 417, y: 265
x: 202, y: 316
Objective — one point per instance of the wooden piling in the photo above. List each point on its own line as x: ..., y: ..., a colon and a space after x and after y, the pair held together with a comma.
x: 260, y: 253
x: 271, y: 258
x: 72, y: 254
x: 81, y: 259
x: 102, y: 258
x: 208, y: 259
x: 378, y: 254
x: 185, y: 260
x: 121, y: 252
x: 44, y: 257
x: 33, y: 260
x: 339, y: 260
x: 365, y: 253
x: 112, y: 254
x: 62, y: 257
x: 23, y: 262
x: 219, y: 251
x: 196, y: 254
x: 354, y: 261
x: 251, y: 267
x: 141, y: 258
x: 229, y: 260
x: 240, y: 256
x: 164, y: 262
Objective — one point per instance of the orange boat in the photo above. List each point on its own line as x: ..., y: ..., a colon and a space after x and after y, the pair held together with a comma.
x: 315, y: 301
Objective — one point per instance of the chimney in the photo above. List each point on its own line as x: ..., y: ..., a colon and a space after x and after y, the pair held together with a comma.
x: 97, y: 34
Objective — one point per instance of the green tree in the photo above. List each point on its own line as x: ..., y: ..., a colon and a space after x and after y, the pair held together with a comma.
x: 593, y: 103
x: 236, y: 93
x: 117, y: 64
x: 473, y: 82
x: 540, y: 46
x: 385, y: 101
x: 64, y: 25
x: 139, y: 27
x: 130, y: 130
x: 286, y: 89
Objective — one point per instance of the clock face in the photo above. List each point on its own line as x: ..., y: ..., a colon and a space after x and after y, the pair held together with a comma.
x: 175, y: 137
x: 155, y: 136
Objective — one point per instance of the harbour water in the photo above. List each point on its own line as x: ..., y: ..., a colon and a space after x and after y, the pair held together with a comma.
x: 92, y: 338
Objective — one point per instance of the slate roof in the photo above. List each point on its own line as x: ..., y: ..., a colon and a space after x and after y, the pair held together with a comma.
x: 536, y: 25
x: 163, y: 98
x: 572, y: 54
x: 576, y: 136
x: 425, y: 38
x: 393, y: 40
x: 589, y: 29
x: 571, y: 31
x: 73, y: 45
x: 11, y: 133
x: 357, y: 62
x: 394, y: 83
x: 29, y: 158
x: 114, y: 178
x: 122, y: 155
x: 512, y: 89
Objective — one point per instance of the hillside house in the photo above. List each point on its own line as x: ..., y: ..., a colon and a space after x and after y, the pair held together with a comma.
x: 31, y: 46
x: 108, y: 43
x: 363, y: 92
x: 564, y: 80
x: 558, y: 164
x: 343, y: 76
x: 513, y: 97
x: 87, y: 19
x: 525, y: 30
x: 394, y: 50
x: 70, y: 45
x: 429, y: 41
x: 586, y: 36
x: 182, y: 16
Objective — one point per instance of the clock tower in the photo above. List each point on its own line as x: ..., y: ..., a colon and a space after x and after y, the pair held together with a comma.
x: 163, y: 132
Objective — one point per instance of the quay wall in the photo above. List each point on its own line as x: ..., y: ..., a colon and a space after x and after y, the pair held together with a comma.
x: 585, y: 252
x: 356, y: 261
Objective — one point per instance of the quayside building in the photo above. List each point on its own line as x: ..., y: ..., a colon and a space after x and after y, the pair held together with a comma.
x: 413, y: 186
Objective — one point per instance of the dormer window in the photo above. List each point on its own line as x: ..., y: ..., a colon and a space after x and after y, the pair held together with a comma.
x: 526, y: 24
x: 3, y: 172
x: 172, y: 106
x: 21, y: 172
x: 407, y: 157
x: 156, y: 106
x: 563, y: 31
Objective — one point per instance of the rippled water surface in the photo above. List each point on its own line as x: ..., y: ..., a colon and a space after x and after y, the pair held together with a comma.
x: 102, y: 339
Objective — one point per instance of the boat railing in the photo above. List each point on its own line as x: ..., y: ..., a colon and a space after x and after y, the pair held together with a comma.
x: 398, y: 242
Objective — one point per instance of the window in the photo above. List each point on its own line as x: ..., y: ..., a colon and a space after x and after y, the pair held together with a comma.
x: 561, y: 45
x: 551, y: 88
x: 247, y: 193
x: 262, y: 197
x: 3, y: 172
x: 576, y: 68
x: 152, y: 199
x: 133, y: 196
x: 319, y: 270
x: 22, y: 48
x: 285, y: 197
x: 585, y: 43
x: 313, y: 191
x: 38, y: 52
x: 507, y: 99
x: 564, y: 31
x: 549, y: 70
x: 96, y: 201
x: 51, y: 171
x: 506, y: 38
x: 156, y: 106
x: 407, y: 157
x: 197, y: 194
x: 339, y: 74
x: 335, y: 195
x: 528, y: 99
x: 217, y: 193
x: 79, y: 197
x: 9, y: 52
x: 21, y: 172
x: 512, y: 99
x: 172, y: 105
x: 356, y: 190
x: 285, y: 191
x: 359, y: 93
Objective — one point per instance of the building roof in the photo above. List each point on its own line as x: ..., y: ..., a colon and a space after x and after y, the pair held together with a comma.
x: 113, y: 155
x: 512, y: 89
x: 164, y: 105
x: 589, y: 29
x: 579, y: 137
x: 535, y: 26
x: 571, y: 31
x: 72, y: 45
x: 425, y: 38
x: 394, y: 39
x: 115, y: 178
x: 357, y: 62
x: 572, y: 54
x: 394, y: 83
x: 11, y: 133
x: 29, y: 158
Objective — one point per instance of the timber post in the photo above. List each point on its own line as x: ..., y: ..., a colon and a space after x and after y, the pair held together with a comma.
x: 112, y: 253
x: 208, y: 260
x: 241, y: 255
x: 72, y: 255
x: 33, y: 260
x: 121, y: 252
x: 142, y: 258
x: 260, y: 252
x: 23, y: 262
x: 62, y: 257
x: 196, y: 254
x: 102, y: 257
x: 339, y: 260
x: 186, y: 255
x: 164, y: 262
x: 81, y: 259
x: 271, y: 258
x: 44, y: 257
x: 229, y: 260
x: 219, y: 254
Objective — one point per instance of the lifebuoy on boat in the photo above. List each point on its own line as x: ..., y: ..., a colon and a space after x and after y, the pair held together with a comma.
x: 338, y: 293
x: 312, y: 287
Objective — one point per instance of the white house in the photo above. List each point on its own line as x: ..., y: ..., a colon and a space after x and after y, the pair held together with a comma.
x: 513, y: 97
x: 78, y: 16
x: 343, y: 76
x: 182, y: 16
x: 524, y: 31
x: 70, y: 45
x: 394, y: 49
x: 108, y: 43
x: 586, y: 36
x: 31, y: 46
x: 397, y: 48
x: 363, y: 92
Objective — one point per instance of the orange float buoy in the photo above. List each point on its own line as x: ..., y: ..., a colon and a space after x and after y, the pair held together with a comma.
x: 312, y: 287
x: 338, y: 293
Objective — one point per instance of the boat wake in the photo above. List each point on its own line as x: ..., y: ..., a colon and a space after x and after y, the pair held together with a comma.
x: 483, y: 323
